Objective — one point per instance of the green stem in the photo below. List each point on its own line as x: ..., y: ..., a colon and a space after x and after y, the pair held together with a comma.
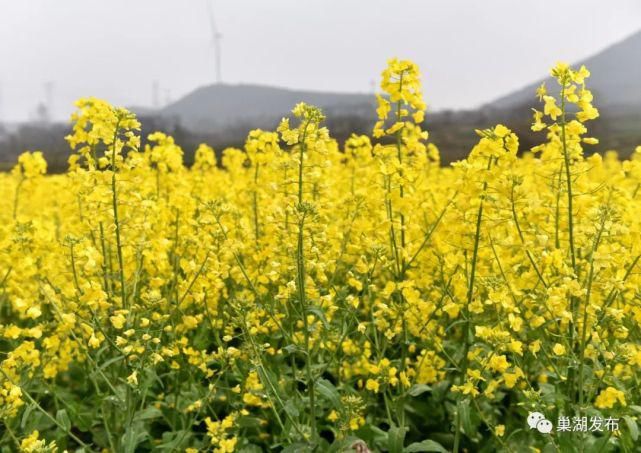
x: 105, y: 271
x: 568, y: 177
x: 45, y: 413
x: 256, y: 230
x: 527, y: 251
x: 302, y: 276
x: 582, y: 344
x: 401, y: 262
x: 114, y: 200
x: 73, y: 270
x: 468, y: 323
x: 574, y: 302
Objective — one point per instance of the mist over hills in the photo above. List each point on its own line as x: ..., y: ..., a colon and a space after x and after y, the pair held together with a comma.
x: 222, y: 114
x: 615, y: 78
x: 224, y: 105
x: 231, y: 110
x: 615, y: 81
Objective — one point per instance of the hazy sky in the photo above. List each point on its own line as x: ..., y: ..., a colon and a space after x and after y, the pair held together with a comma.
x: 470, y: 51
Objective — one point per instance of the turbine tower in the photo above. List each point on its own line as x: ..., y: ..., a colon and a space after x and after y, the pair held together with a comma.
x: 155, y: 94
x: 216, y: 38
x: 48, y: 88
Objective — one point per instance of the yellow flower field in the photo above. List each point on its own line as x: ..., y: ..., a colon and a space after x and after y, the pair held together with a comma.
x: 304, y: 296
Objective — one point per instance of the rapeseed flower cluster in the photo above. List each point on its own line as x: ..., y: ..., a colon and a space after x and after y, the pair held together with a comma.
x: 303, y: 295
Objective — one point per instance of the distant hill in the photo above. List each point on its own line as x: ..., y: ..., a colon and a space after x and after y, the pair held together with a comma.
x: 615, y: 78
x: 227, y: 111
x: 615, y: 81
x: 222, y: 105
x: 222, y: 114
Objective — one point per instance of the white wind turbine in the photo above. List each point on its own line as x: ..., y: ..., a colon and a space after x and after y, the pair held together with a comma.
x: 215, y: 41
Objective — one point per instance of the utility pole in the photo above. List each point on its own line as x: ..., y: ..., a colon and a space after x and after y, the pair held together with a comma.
x: 48, y: 88
x: 155, y: 95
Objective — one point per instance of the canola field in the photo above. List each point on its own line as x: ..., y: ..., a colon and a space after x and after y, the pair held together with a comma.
x: 301, y: 296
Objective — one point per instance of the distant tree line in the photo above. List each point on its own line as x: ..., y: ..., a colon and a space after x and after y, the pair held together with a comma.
x: 452, y: 131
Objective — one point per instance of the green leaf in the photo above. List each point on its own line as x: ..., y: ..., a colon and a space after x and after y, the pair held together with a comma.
x: 566, y: 443
x: 399, y: 407
x: 632, y: 426
x: 148, y: 413
x: 396, y: 439
x: 426, y: 445
x: 173, y: 440
x: 315, y: 310
x: 250, y: 449
x: 373, y: 436
x: 292, y: 349
x: 329, y: 392
x: 466, y: 419
x: 249, y: 422
x: 134, y: 435
x: 291, y: 408
x: 297, y: 448
x: 63, y: 419
x: 419, y: 389
x: 111, y: 361
x: 464, y: 409
x: 603, y: 444
x: 636, y: 408
x: 26, y: 415
x: 83, y: 420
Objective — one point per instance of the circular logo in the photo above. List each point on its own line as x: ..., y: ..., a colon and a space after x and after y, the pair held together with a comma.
x: 544, y: 426
x: 537, y: 420
x: 533, y: 418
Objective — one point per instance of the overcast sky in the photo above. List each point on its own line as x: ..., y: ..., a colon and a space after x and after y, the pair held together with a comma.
x: 470, y: 51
